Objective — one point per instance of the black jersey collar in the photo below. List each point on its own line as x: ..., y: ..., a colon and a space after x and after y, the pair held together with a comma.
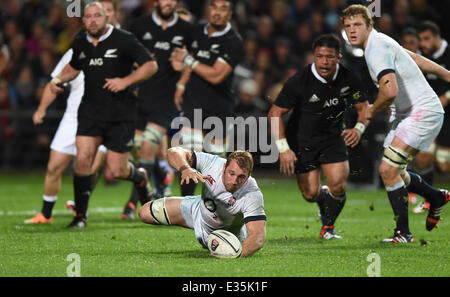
x: 314, y: 71
x: 104, y: 36
x: 169, y: 24
x: 441, y: 51
x: 219, y: 33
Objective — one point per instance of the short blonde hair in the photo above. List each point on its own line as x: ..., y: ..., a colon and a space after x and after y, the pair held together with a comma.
x: 356, y: 9
x: 243, y: 159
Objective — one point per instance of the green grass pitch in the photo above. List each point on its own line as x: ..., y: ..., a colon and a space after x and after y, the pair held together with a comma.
x: 110, y: 247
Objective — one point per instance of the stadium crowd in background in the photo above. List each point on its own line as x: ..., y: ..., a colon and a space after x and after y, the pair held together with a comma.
x: 277, y: 41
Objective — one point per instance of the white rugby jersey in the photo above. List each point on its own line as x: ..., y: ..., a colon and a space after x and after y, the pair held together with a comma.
x: 76, y: 85
x: 221, y: 209
x: 384, y: 55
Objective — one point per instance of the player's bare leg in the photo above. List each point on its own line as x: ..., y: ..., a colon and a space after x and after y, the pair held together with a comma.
x: 57, y: 165
x: 163, y: 211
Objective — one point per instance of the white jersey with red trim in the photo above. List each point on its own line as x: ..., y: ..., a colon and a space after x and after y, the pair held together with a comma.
x: 221, y: 209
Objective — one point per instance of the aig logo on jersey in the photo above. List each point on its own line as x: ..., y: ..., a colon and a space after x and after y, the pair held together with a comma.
x: 96, y: 62
x: 162, y: 45
x: 331, y: 102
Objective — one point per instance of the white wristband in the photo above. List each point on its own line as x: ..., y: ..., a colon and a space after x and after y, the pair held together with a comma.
x: 56, y: 80
x: 181, y: 86
x: 282, y: 145
x: 361, y: 127
x: 447, y: 94
x: 189, y: 61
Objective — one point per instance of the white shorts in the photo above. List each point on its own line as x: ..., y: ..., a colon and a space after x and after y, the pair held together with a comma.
x: 418, y: 129
x: 64, y: 139
x: 190, y: 209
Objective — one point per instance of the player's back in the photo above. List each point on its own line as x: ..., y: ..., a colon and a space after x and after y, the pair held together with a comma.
x: 384, y: 55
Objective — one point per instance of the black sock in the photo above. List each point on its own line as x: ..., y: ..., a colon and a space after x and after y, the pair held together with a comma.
x: 82, y: 185
x: 160, y: 175
x: 419, y: 186
x: 140, y: 183
x: 47, y: 207
x: 399, y: 202
x: 188, y: 189
x: 330, y: 207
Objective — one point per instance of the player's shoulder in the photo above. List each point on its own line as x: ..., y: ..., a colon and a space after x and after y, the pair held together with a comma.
x: 380, y: 41
x: 347, y: 74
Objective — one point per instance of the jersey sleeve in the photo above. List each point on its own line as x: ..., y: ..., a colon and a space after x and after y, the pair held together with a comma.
x: 74, y: 61
x: 381, y: 59
x: 232, y: 52
x: 66, y: 58
x: 358, y: 92
x: 253, y: 209
x: 290, y: 93
x: 204, y: 161
x: 137, y: 51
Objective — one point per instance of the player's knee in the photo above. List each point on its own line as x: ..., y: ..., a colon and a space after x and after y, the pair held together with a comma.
x: 310, y: 194
x: 144, y: 213
x: 119, y: 171
x: 337, y: 189
x: 387, y: 171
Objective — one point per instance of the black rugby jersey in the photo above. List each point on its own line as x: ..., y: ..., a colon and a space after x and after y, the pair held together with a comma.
x: 227, y: 45
x: 113, y: 57
x: 318, y: 108
x: 160, y: 88
x: 441, y: 57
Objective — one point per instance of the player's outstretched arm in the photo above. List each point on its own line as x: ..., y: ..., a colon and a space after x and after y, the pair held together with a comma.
x: 428, y: 66
x: 47, y: 98
x: 287, y: 156
x: 182, y: 160
x: 256, y: 237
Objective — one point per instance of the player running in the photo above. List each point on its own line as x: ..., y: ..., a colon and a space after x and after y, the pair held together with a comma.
x: 314, y: 138
x: 416, y: 112
x: 231, y: 199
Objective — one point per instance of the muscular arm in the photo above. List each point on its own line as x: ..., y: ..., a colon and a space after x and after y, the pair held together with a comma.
x: 428, y: 66
x: 182, y: 160
x: 287, y: 156
x: 215, y: 74
x: 386, y: 94
x: 256, y: 237
x: 47, y: 98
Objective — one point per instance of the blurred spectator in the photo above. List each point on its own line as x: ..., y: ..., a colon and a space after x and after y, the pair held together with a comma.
x: 332, y: 14
x: 301, y: 10
x: 65, y: 38
x: 33, y: 43
x: 303, y: 40
x: 282, y: 23
x: 31, y: 11
x: 10, y: 12
x: 283, y: 59
x: 384, y: 25
x: 264, y: 29
x: 55, y: 20
x: 410, y: 40
x: 10, y: 30
x: 401, y: 17
x: 249, y: 103
x: 6, y: 124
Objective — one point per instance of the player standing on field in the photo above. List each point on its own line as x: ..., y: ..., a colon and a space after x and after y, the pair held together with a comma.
x: 62, y: 148
x: 106, y: 113
x: 314, y: 138
x: 160, y: 32
x: 205, y: 84
x: 416, y: 110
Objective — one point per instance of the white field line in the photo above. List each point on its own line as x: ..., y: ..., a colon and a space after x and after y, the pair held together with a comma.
x: 60, y: 211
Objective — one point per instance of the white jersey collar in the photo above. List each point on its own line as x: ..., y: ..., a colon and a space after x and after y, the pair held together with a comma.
x: 218, y: 33
x: 320, y: 78
x: 169, y: 24
x: 104, y: 36
x: 441, y: 51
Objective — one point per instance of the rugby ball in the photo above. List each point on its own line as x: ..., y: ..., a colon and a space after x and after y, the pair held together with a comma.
x: 224, y: 244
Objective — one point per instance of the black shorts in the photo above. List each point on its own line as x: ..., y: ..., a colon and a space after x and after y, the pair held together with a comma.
x: 311, y: 156
x: 117, y: 136
x: 162, y: 116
